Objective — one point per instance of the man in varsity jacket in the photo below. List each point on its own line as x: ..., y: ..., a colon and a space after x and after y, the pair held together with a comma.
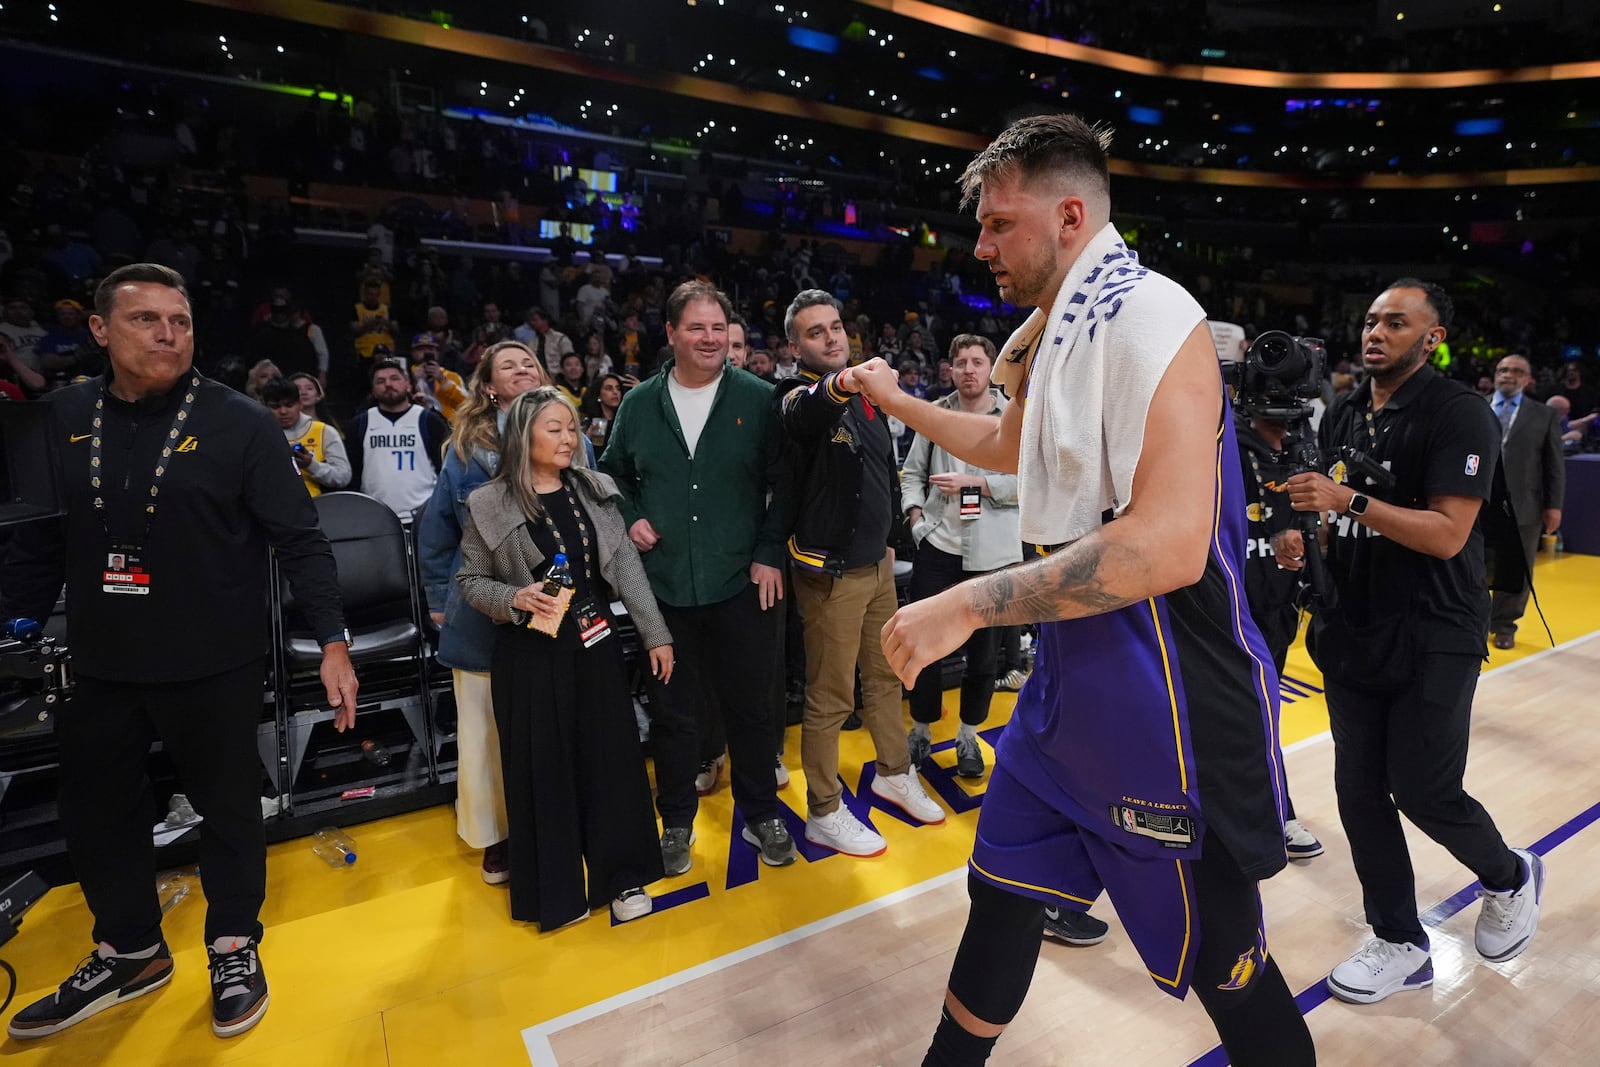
x: 847, y: 499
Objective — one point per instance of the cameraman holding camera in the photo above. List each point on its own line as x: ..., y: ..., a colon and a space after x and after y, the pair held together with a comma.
x: 1402, y: 650
x: 1271, y: 580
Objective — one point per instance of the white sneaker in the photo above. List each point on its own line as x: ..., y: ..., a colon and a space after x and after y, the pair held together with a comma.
x: 1298, y: 842
x: 705, y: 779
x: 1508, y: 920
x: 781, y: 773
x: 631, y: 904
x: 905, y: 792
x: 843, y: 832
x: 1380, y: 968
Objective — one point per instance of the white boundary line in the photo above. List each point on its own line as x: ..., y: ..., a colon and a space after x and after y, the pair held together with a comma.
x: 537, y: 1038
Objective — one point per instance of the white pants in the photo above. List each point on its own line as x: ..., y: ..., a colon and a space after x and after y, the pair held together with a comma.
x: 480, y: 789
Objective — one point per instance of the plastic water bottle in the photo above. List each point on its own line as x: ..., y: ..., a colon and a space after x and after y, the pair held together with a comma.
x: 173, y: 886
x: 337, y: 848
x: 558, y: 575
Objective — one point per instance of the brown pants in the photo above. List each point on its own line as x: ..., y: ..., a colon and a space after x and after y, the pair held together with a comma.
x: 843, y: 620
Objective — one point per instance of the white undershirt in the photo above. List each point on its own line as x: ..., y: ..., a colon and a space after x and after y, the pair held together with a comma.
x: 693, y: 406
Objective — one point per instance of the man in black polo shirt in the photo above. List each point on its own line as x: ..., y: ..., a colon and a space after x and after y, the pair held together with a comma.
x: 1402, y: 651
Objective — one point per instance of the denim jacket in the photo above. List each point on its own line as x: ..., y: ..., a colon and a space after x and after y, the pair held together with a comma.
x: 466, y: 641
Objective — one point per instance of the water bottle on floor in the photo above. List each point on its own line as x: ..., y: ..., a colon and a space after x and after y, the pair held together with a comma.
x: 337, y: 848
x: 173, y: 886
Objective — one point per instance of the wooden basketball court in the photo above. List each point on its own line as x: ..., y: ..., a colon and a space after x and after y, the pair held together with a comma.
x: 409, y: 959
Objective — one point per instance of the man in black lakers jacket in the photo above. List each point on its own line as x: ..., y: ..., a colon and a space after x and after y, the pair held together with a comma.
x: 174, y: 487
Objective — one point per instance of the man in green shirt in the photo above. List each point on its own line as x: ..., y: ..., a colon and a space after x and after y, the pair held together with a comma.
x: 693, y: 450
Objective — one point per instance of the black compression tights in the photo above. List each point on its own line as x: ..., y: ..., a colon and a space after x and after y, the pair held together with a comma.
x: 1259, y: 1025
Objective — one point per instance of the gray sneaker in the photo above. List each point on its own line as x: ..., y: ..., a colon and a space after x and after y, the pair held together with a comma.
x: 919, y: 746
x: 969, y: 758
x: 772, y: 837
x: 1010, y: 682
x: 675, y: 842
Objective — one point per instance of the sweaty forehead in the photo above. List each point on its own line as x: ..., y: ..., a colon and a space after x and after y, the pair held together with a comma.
x: 1011, y: 192
x: 998, y: 197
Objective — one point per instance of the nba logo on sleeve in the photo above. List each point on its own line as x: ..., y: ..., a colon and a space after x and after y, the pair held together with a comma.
x: 1472, y: 464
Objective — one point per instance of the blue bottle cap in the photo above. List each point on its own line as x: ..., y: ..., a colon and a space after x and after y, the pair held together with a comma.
x: 560, y: 558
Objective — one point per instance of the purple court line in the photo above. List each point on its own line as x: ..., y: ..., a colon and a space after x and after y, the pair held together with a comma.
x: 1316, y: 995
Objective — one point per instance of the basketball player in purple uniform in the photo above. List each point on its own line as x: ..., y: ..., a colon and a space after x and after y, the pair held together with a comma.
x: 1142, y: 757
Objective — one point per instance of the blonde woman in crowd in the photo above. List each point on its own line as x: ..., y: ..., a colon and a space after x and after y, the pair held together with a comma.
x: 466, y: 637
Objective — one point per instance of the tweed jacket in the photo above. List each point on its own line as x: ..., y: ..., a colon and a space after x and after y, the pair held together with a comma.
x: 498, y: 556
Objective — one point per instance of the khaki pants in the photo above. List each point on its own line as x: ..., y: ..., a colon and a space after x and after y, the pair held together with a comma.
x: 843, y: 619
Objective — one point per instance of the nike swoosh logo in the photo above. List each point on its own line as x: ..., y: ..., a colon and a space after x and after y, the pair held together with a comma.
x: 75, y: 438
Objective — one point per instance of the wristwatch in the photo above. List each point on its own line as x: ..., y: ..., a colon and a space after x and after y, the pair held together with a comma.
x: 342, y: 635
x: 1358, y: 504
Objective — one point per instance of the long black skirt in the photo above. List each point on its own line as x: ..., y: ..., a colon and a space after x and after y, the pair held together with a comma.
x: 577, y: 793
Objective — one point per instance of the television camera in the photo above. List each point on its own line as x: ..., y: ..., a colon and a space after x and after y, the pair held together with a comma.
x: 1276, y: 381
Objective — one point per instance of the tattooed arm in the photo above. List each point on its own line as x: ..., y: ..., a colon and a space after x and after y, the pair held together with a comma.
x: 1066, y: 585
x: 1160, y: 542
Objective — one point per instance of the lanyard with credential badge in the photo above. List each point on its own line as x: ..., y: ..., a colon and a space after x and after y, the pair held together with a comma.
x: 583, y: 533
x: 593, y: 625
x: 123, y: 573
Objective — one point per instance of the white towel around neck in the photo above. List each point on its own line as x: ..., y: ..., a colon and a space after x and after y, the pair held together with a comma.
x: 1102, y: 350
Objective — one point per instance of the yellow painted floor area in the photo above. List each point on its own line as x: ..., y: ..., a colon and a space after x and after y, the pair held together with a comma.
x: 409, y: 959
